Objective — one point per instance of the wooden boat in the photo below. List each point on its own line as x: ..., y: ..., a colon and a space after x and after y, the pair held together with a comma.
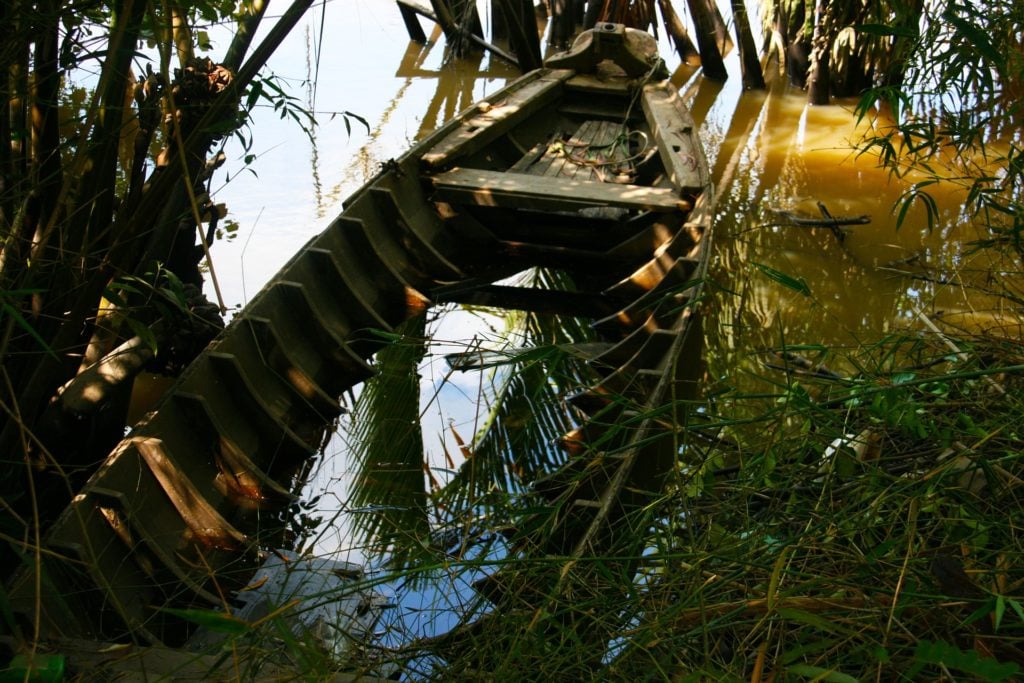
x: 591, y: 165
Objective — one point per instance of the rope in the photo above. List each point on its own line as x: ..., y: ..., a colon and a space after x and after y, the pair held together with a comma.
x: 622, y: 139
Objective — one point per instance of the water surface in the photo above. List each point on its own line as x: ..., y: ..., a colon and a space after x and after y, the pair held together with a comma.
x: 772, y: 284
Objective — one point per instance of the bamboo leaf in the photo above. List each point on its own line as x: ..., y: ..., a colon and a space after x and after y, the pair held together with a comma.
x: 967, y: 661
x: 797, y: 284
x: 19, y: 319
x: 976, y: 37
x: 219, y: 622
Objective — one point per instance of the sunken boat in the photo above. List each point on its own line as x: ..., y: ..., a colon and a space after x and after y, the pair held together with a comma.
x: 591, y: 165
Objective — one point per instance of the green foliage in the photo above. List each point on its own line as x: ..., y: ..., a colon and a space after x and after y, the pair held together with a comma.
x: 218, y: 622
x: 798, y: 285
x: 855, y: 528
x: 954, y: 116
x: 968, y: 662
x: 389, y: 494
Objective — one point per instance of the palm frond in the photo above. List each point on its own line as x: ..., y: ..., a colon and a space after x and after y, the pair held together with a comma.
x: 389, y: 497
x: 516, y: 442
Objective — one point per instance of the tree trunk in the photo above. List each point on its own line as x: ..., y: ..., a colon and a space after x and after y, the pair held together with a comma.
x: 750, y: 65
x: 14, y: 156
x: 677, y: 31
x: 819, y: 85
x: 592, y: 13
x: 722, y: 36
x: 523, y: 38
x: 703, y: 14
x: 561, y: 24
x: 447, y: 22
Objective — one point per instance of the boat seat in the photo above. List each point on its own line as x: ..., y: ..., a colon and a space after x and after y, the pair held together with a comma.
x: 519, y: 190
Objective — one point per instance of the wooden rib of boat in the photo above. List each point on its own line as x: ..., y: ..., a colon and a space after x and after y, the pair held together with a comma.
x: 591, y: 165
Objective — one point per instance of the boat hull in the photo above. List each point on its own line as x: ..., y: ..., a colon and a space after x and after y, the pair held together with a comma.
x: 602, y: 178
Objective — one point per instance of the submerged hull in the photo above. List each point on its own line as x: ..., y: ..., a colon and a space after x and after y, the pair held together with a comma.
x: 601, y: 177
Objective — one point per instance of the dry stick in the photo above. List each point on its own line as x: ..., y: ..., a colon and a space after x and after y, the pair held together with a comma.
x: 960, y: 353
x: 804, y: 222
x: 38, y: 550
x: 710, y: 54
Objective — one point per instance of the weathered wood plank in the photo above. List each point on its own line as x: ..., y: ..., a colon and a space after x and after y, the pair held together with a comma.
x: 493, y: 188
x: 592, y: 84
x: 570, y: 153
x: 530, y: 158
x: 202, y: 518
x: 483, y: 124
x: 673, y: 129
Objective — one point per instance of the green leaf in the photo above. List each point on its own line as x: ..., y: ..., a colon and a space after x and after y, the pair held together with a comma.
x: 967, y: 661
x: 977, y: 37
x: 818, y: 673
x: 797, y: 284
x: 810, y: 619
x: 209, y: 619
x: 1017, y: 608
x: 357, y: 117
x: 384, y: 334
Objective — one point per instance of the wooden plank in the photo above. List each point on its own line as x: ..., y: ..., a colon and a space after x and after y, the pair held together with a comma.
x: 580, y: 304
x: 570, y: 153
x: 246, y: 478
x: 302, y: 315
x: 587, y: 83
x: 484, y: 124
x: 202, y: 518
x: 493, y: 188
x: 144, y: 546
x: 566, y: 258
x: 275, y: 402
x: 674, y: 132
x: 666, y: 301
x: 547, y: 159
x: 530, y: 158
x: 414, y: 230
x: 611, y: 152
x: 585, y: 145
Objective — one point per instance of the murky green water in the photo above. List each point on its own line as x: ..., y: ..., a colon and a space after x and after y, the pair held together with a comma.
x: 775, y: 154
